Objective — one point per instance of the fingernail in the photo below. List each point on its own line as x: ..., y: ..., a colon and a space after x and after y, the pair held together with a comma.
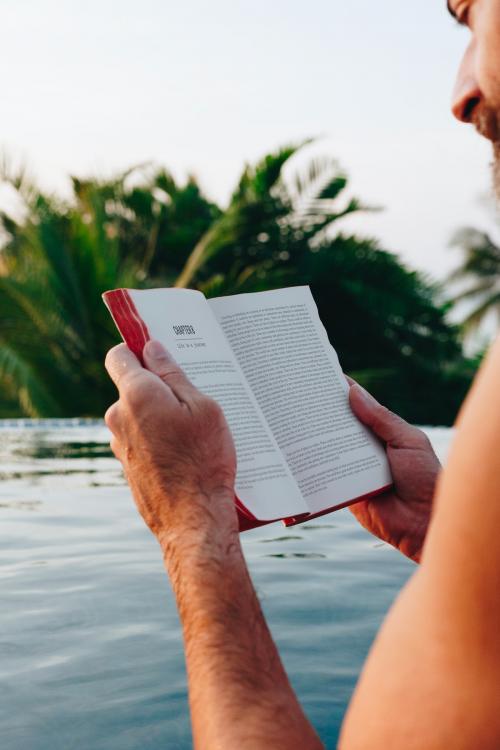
x: 155, y: 350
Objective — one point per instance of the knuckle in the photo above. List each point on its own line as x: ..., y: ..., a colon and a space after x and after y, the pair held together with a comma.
x: 420, y: 437
x: 135, y: 387
x: 211, y: 408
x: 112, y: 353
x: 111, y: 416
x: 114, y: 445
x: 168, y: 371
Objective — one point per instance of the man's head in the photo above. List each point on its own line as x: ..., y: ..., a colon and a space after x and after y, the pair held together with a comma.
x: 476, y: 98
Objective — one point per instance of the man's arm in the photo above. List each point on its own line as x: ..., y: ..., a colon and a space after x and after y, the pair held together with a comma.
x: 239, y: 694
x: 432, y: 678
x: 178, y: 456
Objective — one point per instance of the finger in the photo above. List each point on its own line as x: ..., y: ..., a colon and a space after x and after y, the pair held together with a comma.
x: 112, y: 418
x: 349, y: 379
x: 159, y: 361
x: 386, y: 425
x: 119, y: 362
x: 115, y: 447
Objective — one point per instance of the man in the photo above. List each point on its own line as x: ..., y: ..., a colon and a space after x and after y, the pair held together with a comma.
x: 432, y: 679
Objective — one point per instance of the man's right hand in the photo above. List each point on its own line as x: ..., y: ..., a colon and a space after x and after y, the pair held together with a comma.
x: 401, y: 515
x: 177, y: 453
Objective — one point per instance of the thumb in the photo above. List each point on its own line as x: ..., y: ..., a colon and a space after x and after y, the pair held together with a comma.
x: 384, y: 423
x: 158, y: 360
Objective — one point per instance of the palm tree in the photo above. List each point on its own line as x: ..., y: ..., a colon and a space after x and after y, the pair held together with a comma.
x: 157, y: 220
x: 280, y: 228
x: 54, y: 332
x: 480, y: 270
x: 268, y: 218
x: 57, y: 259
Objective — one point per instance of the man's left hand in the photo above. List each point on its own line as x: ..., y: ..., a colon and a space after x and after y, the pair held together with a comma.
x: 176, y: 450
x: 401, y: 515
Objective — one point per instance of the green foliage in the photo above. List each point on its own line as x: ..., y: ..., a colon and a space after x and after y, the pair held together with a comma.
x: 155, y: 221
x: 279, y: 229
x: 270, y: 220
x: 480, y: 270
x: 55, y: 331
x: 385, y: 321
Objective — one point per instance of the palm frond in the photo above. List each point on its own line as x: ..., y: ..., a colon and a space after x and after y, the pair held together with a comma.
x: 481, y: 254
x: 474, y: 318
x: 17, y: 376
x: 479, y: 289
x: 481, y: 269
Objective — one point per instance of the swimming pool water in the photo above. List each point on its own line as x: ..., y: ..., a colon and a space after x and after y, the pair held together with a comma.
x: 90, y: 644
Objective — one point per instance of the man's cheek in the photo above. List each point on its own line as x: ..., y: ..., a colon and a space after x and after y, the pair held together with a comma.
x: 488, y: 55
x: 491, y: 85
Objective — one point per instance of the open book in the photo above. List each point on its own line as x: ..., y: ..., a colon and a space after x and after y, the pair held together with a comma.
x: 266, y: 359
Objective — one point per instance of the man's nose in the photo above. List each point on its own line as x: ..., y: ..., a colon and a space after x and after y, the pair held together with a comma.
x: 466, y: 93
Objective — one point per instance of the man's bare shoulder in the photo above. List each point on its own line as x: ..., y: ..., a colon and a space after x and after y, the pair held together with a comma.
x: 484, y: 383
x: 438, y: 653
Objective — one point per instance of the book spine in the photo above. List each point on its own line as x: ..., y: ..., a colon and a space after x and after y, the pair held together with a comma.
x: 133, y: 329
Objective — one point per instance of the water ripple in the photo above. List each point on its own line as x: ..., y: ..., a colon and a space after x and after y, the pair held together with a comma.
x: 91, y: 651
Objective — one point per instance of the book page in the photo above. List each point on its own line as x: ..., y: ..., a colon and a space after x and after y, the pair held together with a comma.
x: 184, y: 323
x: 294, y: 372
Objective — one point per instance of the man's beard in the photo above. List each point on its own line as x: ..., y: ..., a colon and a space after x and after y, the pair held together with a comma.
x: 487, y: 122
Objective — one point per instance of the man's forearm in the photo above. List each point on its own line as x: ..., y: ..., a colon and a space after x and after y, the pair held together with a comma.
x: 239, y: 693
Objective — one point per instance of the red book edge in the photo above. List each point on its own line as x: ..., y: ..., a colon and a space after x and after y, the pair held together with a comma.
x: 135, y: 334
x: 294, y: 520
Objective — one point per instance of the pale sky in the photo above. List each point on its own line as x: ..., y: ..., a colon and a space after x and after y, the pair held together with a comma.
x: 96, y: 86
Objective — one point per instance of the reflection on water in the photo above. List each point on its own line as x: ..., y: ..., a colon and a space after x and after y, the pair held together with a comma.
x: 281, y: 539
x: 316, y: 527
x: 90, y: 645
x: 21, y: 504
x: 41, y: 449
x: 304, y: 555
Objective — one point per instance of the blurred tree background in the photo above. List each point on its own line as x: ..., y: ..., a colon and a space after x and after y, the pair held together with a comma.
x: 479, y: 273
x: 142, y: 229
